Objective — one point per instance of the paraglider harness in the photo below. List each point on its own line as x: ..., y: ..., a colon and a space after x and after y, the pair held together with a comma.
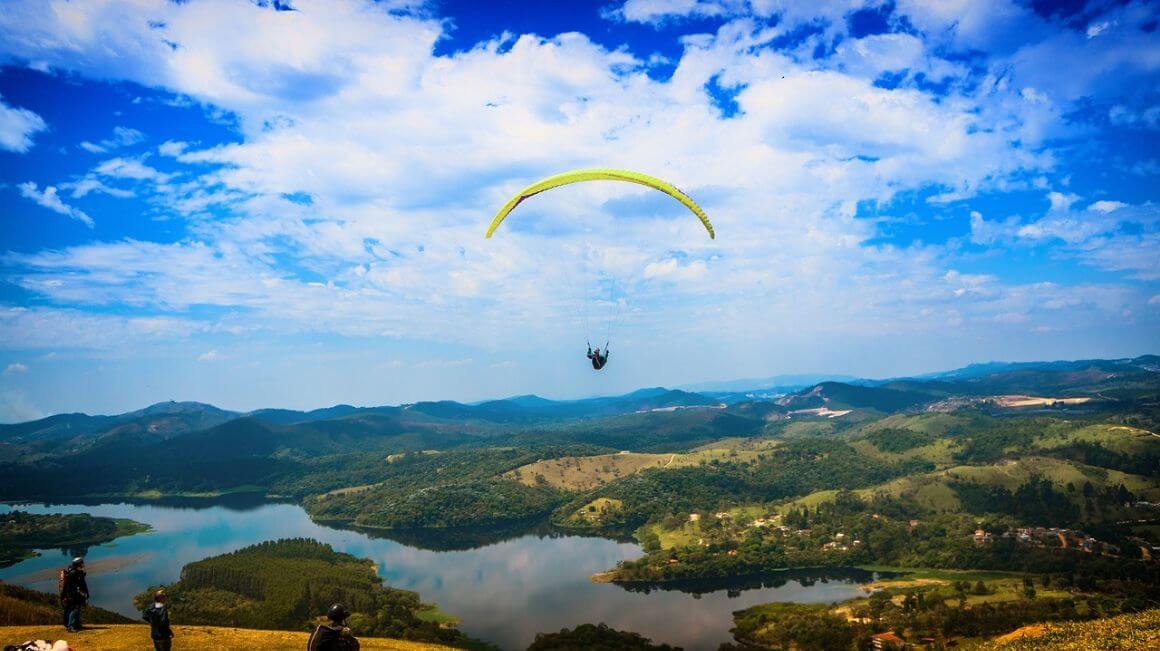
x: 598, y: 359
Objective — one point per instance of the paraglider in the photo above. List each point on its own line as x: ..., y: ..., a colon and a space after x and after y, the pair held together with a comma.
x: 599, y: 174
x: 599, y: 358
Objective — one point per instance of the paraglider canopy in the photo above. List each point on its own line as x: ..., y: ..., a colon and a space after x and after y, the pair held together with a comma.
x: 599, y: 174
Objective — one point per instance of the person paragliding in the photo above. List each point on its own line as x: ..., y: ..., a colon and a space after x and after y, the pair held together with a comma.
x: 598, y: 359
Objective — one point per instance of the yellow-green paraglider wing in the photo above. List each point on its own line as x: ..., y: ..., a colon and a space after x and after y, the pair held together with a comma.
x: 599, y: 174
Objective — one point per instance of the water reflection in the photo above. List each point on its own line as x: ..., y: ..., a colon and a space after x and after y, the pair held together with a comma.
x: 505, y: 585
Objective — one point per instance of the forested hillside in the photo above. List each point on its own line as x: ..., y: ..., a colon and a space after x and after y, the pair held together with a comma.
x: 289, y: 584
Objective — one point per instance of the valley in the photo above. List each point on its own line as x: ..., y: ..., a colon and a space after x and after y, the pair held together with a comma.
x: 1036, y: 474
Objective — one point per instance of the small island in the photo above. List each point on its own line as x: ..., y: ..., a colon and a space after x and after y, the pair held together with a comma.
x: 288, y: 584
x: 21, y: 533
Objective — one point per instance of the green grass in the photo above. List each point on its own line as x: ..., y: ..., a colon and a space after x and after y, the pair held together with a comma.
x: 432, y: 613
x: 1120, y: 438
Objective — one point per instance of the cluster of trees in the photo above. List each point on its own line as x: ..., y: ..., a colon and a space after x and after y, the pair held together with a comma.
x: 938, y: 541
x: 1036, y: 501
x: 800, y: 466
x: 448, y: 489
x: 595, y: 636
x: 287, y: 585
x: 21, y: 532
x: 896, y: 439
x: 807, y: 627
x: 1094, y: 454
x: 936, y: 612
x: 991, y: 440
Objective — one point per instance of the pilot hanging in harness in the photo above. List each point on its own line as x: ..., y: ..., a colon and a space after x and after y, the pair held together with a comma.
x: 598, y: 359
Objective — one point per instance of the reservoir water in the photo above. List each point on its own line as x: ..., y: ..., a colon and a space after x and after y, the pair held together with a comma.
x: 505, y: 586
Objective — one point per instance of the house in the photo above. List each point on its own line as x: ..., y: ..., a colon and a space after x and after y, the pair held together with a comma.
x: 983, y: 537
x: 693, y: 517
x: 887, y: 641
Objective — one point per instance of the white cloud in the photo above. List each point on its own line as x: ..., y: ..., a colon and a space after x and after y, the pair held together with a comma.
x: 405, y: 154
x: 130, y: 168
x: 122, y: 137
x: 1061, y: 201
x: 15, y: 368
x: 211, y: 356
x: 48, y: 198
x: 672, y: 270
x: 1108, y: 235
x: 17, y: 127
x: 1105, y: 206
x: 654, y: 11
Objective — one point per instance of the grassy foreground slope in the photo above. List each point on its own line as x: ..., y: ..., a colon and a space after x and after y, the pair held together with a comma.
x: 22, y: 606
x: 1125, y: 632
x: 133, y: 637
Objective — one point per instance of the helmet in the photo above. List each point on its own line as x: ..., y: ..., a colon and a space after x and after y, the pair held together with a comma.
x: 78, y: 561
x: 337, y: 613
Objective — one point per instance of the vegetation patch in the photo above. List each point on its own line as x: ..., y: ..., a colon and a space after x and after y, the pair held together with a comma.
x: 288, y: 584
x: 22, y: 532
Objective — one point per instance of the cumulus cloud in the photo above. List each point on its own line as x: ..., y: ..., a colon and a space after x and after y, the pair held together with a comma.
x: 1109, y: 235
x: 122, y: 137
x: 48, y: 198
x: 17, y: 127
x: 352, y: 200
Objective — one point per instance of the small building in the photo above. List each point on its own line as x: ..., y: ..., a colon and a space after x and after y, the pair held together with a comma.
x: 983, y: 537
x: 887, y: 641
x: 693, y: 517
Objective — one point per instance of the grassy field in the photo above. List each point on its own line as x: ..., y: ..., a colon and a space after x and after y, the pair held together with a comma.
x: 587, y: 473
x: 593, y: 512
x: 134, y: 637
x: 933, y: 490
x: 941, y: 452
x: 1121, y: 438
x: 1137, y: 631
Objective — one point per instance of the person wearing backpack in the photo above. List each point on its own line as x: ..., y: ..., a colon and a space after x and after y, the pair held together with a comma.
x: 334, y: 635
x: 158, y: 617
x: 74, y: 593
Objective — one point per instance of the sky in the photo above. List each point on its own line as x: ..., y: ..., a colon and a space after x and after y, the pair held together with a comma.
x: 282, y: 203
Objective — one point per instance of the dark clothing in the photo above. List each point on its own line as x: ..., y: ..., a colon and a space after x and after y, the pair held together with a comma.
x: 163, y: 645
x: 72, y: 617
x: 332, y: 637
x: 158, y: 617
x: 598, y: 359
x: 74, y: 588
x: 74, y: 593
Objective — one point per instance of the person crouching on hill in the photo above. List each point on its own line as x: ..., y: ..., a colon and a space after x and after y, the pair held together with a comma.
x: 334, y: 635
x: 74, y: 593
x: 158, y: 617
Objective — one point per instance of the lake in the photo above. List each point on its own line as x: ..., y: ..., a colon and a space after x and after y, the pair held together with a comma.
x: 504, y: 585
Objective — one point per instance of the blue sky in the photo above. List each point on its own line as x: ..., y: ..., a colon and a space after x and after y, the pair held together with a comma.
x: 282, y: 203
